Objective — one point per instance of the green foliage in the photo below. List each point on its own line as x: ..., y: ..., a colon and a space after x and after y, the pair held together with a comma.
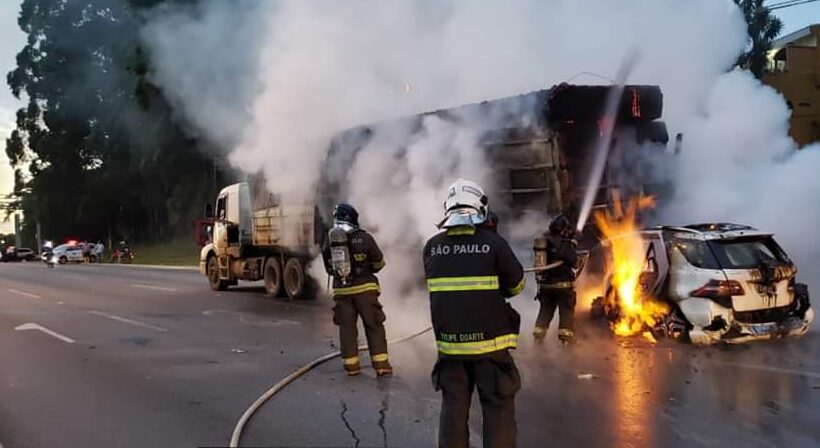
x: 763, y: 29
x: 98, y: 148
x: 176, y: 252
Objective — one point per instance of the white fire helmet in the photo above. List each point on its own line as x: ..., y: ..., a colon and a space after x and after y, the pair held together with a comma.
x: 465, y: 204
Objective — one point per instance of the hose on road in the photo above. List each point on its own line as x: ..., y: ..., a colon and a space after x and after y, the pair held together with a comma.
x: 240, y: 425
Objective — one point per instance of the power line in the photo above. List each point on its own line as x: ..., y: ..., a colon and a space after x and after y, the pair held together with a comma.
x: 788, y: 4
x: 781, y: 3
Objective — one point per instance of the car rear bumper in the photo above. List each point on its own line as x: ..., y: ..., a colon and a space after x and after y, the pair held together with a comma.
x: 738, y: 332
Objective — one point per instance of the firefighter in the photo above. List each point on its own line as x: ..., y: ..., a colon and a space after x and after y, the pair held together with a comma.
x: 470, y: 272
x: 555, y: 286
x: 356, y: 291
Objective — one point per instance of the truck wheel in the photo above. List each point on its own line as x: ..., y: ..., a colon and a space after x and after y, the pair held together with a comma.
x: 273, y: 276
x: 213, y: 276
x: 295, y: 279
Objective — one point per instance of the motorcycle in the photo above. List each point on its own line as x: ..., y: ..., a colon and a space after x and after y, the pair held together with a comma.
x: 122, y: 254
x: 47, y: 259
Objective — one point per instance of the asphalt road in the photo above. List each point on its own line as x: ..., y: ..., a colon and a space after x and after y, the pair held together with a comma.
x: 143, y: 357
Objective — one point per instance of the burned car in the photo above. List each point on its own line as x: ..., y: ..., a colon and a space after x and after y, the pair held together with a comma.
x: 716, y: 283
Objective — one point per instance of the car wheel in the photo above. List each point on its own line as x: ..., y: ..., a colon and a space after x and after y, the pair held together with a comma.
x: 62, y: 260
x: 213, y: 276
x: 673, y: 326
x: 272, y: 276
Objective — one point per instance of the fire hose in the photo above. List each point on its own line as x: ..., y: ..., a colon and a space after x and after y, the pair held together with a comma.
x: 296, y: 374
x: 240, y: 425
x: 544, y: 268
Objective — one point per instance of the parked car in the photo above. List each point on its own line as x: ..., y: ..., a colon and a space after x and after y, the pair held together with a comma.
x: 7, y: 254
x: 722, y: 282
x: 67, y: 253
x: 25, y: 254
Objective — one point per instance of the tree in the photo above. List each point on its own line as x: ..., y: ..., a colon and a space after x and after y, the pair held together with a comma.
x: 98, y: 148
x: 763, y: 28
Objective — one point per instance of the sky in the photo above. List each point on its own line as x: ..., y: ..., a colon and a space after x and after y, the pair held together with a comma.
x: 12, y: 40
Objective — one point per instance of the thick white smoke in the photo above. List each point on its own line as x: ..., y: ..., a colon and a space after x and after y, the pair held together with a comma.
x: 739, y: 165
x: 320, y: 66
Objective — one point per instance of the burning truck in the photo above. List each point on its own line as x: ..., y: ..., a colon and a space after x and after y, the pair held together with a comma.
x: 538, y: 144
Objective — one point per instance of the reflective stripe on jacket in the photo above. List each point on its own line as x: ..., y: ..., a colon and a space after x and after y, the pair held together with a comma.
x: 470, y: 272
x: 367, y: 260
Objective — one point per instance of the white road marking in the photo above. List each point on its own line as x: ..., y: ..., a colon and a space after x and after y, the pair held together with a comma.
x: 33, y: 326
x: 125, y: 320
x: 245, y: 320
x: 26, y: 294
x: 806, y: 373
x: 158, y: 288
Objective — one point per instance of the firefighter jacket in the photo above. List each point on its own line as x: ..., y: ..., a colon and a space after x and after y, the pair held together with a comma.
x: 367, y: 259
x: 559, y: 249
x: 470, y: 271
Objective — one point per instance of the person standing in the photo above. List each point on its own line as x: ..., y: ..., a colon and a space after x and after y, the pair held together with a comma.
x: 556, y: 287
x: 352, y: 258
x: 99, y: 251
x: 470, y: 272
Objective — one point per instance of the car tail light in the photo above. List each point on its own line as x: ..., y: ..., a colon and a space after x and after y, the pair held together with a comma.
x: 719, y: 288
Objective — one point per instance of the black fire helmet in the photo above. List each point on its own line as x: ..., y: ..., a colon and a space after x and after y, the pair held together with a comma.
x: 346, y: 212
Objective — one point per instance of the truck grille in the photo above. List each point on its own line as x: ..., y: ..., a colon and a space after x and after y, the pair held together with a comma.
x: 768, y: 315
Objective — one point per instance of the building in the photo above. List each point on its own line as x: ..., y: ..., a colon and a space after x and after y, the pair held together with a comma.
x: 794, y: 70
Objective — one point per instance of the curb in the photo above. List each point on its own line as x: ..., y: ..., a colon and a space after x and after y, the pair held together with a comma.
x: 147, y: 266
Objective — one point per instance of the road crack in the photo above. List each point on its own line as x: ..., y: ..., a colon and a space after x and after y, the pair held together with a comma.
x: 382, y: 417
x: 347, y: 424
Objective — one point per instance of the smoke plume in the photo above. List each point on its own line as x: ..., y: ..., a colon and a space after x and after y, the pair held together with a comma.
x: 739, y: 165
x: 273, y: 82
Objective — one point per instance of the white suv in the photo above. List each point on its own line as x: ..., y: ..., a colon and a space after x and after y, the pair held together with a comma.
x: 723, y: 282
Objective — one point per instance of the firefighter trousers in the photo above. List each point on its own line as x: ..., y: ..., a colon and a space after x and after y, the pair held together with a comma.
x: 497, y: 380
x: 561, y: 298
x: 346, y: 314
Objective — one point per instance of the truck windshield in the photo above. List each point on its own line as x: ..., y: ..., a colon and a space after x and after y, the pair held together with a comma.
x: 748, y: 253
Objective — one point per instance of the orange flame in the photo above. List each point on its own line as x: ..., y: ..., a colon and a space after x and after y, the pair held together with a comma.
x: 636, y: 311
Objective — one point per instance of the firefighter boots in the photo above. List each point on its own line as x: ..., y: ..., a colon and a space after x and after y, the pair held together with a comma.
x: 383, y: 368
x: 352, y: 366
x: 566, y: 336
x: 539, y: 333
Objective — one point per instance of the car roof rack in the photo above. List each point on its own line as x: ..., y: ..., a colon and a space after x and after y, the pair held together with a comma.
x: 674, y: 228
x: 718, y: 227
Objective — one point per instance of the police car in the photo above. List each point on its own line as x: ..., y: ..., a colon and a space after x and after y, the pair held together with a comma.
x: 723, y: 283
x: 67, y: 253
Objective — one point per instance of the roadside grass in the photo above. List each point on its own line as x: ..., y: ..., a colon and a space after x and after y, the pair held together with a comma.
x: 178, y: 252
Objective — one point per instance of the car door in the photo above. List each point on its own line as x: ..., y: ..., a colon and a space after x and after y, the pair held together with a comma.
x: 656, y: 264
x: 75, y: 254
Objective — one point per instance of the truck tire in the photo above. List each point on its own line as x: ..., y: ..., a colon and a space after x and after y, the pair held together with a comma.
x: 272, y: 276
x: 216, y: 283
x: 295, y: 279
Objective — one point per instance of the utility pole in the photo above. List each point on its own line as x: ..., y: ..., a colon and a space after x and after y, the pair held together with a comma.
x: 18, y: 237
x: 39, y: 237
